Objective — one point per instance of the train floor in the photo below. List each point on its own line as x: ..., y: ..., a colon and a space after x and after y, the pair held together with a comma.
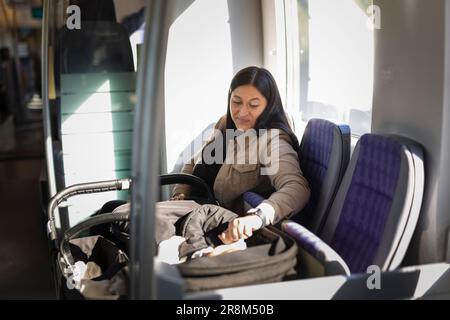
x: 25, y: 264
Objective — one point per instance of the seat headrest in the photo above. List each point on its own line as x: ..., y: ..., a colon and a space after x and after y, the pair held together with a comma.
x: 96, y: 10
x: 97, y: 47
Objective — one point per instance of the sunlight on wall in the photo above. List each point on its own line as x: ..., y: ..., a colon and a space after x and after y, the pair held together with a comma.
x: 96, y: 124
x: 99, y: 101
x: 92, y: 116
x: 198, y: 72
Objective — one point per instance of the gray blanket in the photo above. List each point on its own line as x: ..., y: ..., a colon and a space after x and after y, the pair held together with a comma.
x: 199, y: 224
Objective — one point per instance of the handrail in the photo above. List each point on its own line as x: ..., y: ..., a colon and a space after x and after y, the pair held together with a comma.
x: 45, y: 101
x: 146, y: 154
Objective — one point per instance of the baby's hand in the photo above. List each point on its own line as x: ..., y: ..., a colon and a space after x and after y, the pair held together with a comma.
x: 178, y: 196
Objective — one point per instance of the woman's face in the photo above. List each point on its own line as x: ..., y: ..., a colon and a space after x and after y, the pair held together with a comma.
x: 246, y: 105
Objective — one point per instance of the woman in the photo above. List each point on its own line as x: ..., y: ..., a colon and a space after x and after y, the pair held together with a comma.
x: 254, y: 105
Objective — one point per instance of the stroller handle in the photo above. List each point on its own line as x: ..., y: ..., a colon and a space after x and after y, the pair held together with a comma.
x: 77, y: 189
x: 114, y: 185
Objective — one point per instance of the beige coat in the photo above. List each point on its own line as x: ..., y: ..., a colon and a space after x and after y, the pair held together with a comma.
x: 291, y: 188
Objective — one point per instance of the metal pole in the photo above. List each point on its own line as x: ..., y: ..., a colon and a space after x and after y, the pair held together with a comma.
x: 146, y: 148
x: 21, y: 111
x: 46, y: 103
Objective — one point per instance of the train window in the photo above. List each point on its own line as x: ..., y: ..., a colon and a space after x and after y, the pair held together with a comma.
x: 199, y: 67
x: 336, y: 62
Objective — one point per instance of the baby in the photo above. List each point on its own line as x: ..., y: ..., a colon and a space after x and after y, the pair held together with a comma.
x: 168, y: 250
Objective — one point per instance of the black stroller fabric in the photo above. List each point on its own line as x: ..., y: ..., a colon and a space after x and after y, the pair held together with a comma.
x: 104, y: 269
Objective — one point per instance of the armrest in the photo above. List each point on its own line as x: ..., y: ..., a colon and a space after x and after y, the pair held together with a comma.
x: 253, y: 199
x: 312, y: 244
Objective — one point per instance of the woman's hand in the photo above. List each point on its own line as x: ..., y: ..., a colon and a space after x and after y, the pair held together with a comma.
x: 240, y: 228
x: 178, y: 196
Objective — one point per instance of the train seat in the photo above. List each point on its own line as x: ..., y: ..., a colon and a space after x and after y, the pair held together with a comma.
x: 375, y: 211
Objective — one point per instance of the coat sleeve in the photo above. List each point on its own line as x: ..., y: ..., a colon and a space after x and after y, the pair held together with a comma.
x: 188, y: 167
x: 282, y: 167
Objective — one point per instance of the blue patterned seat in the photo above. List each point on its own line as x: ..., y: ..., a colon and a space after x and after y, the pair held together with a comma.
x: 375, y: 211
x: 324, y: 156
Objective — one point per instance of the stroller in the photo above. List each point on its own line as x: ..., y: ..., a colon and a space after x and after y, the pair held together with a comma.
x: 89, y: 266
x: 94, y: 265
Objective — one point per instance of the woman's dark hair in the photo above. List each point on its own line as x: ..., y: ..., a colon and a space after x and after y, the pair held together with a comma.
x: 273, y: 116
